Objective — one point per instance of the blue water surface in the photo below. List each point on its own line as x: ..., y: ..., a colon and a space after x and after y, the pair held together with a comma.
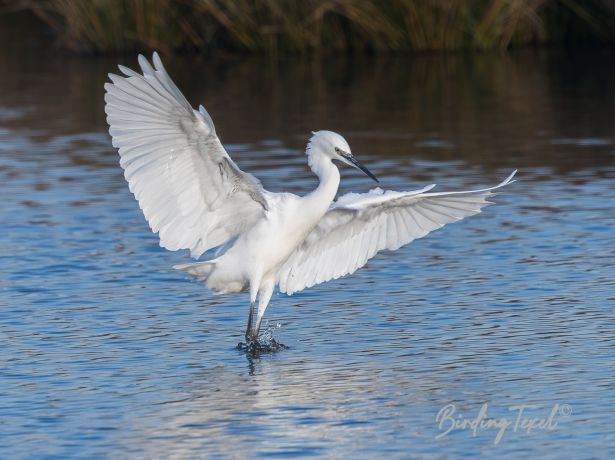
x: 109, y: 353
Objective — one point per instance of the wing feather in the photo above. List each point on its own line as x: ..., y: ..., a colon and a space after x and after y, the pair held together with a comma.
x: 358, y: 226
x: 191, y: 192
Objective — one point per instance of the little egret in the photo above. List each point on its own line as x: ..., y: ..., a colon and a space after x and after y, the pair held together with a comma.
x: 195, y: 197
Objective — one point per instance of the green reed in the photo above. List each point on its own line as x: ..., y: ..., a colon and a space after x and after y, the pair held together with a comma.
x: 301, y: 26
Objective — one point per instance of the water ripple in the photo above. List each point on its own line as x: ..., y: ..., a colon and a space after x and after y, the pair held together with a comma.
x: 107, y: 352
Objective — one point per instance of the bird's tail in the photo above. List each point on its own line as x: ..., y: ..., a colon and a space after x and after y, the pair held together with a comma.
x: 200, y: 270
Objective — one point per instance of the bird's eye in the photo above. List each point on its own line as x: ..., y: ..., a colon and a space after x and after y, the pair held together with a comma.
x: 337, y: 150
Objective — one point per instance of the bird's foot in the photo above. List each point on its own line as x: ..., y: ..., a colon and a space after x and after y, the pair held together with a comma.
x: 263, y: 343
x: 255, y: 349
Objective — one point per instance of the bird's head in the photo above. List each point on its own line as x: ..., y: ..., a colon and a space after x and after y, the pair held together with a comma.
x: 335, y: 147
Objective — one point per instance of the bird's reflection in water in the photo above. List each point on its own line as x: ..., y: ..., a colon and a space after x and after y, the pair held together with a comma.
x: 316, y: 408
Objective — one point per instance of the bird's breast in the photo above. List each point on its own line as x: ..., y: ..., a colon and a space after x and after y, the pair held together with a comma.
x: 269, y: 243
x: 281, y: 233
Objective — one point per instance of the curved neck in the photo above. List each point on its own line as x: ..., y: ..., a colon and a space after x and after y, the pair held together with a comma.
x: 329, y: 177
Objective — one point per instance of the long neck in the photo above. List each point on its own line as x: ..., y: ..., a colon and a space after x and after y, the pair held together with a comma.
x: 329, y: 176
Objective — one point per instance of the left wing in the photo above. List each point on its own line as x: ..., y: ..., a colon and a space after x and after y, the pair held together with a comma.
x: 190, y: 190
x: 357, y: 226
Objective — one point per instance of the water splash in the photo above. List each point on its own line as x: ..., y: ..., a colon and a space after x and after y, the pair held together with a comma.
x: 265, y: 343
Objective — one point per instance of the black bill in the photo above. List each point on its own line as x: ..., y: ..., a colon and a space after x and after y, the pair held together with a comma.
x: 355, y: 162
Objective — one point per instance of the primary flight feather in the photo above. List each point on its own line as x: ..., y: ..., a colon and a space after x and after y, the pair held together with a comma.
x: 195, y: 197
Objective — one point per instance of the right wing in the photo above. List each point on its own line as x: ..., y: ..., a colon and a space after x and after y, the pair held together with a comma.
x: 357, y: 226
x: 190, y: 190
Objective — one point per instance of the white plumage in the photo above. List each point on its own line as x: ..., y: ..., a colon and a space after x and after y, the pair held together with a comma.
x: 195, y: 197
x: 189, y: 189
x: 357, y: 226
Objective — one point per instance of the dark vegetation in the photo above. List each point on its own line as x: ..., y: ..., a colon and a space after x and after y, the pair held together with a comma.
x: 310, y: 26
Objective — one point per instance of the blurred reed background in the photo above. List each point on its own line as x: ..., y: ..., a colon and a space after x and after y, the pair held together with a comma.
x: 307, y: 26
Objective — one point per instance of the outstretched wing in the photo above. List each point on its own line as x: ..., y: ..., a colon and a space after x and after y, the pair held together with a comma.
x: 357, y: 226
x: 190, y: 190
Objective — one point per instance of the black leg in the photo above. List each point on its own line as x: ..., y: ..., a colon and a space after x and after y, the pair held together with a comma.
x: 248, y: 330
x: 257, y: 329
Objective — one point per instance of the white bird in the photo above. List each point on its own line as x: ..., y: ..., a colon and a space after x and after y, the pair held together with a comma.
x: 195, y: 197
